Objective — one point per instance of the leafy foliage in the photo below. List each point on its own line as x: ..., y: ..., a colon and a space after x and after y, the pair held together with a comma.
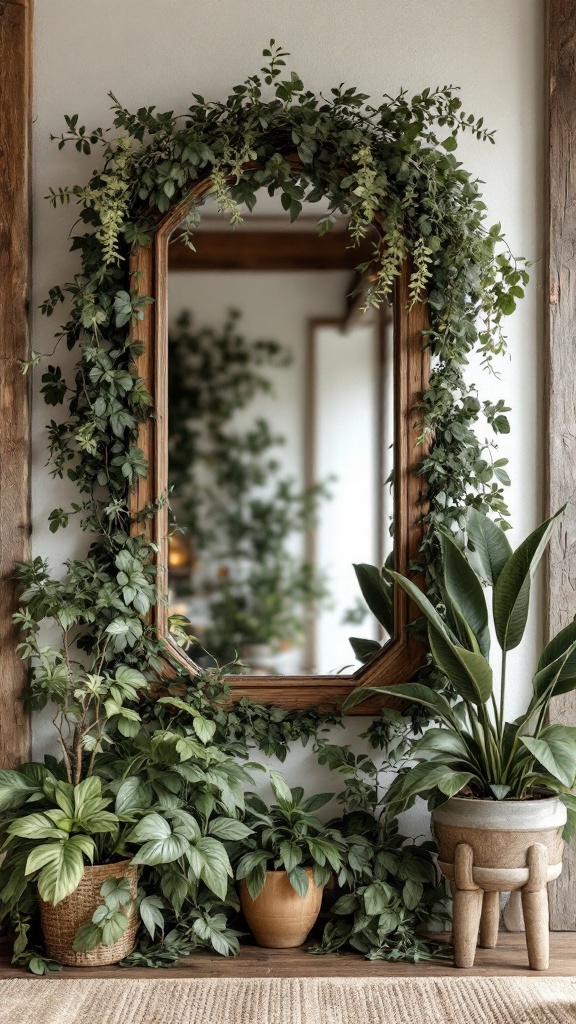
x: 289, y: 837
x: 229, y: 493
x: 171, y: 792
x: 392, y: 165
x: 475, y: 750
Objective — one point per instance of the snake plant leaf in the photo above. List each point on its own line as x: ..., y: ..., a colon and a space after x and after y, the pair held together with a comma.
x: 469, y: 672
x: 491, y: 548
x: 562, y: 646
x: 555, y: 749
x: 465, y: 592
x: 511, y: 595
x: 378, y: 594
x: 414, y: 692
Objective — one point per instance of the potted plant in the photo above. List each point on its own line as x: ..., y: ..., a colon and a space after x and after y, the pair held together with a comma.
x: 292, y: 858
x: 138, y: 787
x: 500, y: 792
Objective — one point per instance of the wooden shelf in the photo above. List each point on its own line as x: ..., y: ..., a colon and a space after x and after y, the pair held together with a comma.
x: 254, y: 962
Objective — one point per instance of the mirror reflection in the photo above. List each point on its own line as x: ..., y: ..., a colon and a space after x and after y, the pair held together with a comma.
x: 281, y: 442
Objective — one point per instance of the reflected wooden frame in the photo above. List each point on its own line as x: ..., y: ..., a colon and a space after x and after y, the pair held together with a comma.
x: 403, y: 655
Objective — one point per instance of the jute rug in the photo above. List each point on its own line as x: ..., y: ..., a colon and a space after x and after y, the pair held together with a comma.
x: 289, y: 1001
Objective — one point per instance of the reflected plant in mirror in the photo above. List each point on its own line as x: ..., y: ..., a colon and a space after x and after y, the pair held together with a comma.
x: 238, y: 572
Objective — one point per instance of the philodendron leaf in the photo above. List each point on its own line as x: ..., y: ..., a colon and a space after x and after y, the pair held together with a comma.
x: 491, y: 548
x: 378, y: 594
x: 469, y: 672
x: 464, y: 591
x: 14, y: 789
x: 280, y: 788
x: 61, y: 866
x: 511, y: 595
x: 412, y: 893
x: 555, y: 749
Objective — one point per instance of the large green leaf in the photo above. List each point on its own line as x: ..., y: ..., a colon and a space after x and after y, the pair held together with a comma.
x: 364, y: 650
x: 421, y: 602
x: 416, y: 692
x: 465, y: 592
x: 562, y: 646
x: 469, y: 672
x: 134, y: 794
x: 423, y: 780
x: 14, y: 789
x: 36, y: 826
x: 442, y: 741
x: 61, y: 866
x: 555, y: 749
x: 511, y: 595
x: 229, y: 829
x: 215, y: 868
x: 378, y: 594
x: 491, y: 548
x: 162, y: 851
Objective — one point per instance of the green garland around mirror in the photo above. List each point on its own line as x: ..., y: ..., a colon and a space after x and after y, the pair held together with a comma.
x: 391, y: 162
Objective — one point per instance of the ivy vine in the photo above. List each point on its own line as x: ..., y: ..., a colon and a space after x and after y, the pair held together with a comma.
x: 391, y: 163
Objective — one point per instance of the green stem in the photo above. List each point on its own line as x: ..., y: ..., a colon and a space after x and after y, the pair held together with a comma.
x: 500, y: 723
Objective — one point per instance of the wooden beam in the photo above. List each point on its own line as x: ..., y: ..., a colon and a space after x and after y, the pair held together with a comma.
x: 268, y: 250
x: 15, y: 121
x: 560, y: 360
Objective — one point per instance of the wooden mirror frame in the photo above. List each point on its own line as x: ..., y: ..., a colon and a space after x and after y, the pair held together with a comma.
x: 402, y: 656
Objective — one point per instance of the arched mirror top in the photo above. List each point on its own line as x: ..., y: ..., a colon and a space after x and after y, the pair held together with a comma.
x: 210, y: 573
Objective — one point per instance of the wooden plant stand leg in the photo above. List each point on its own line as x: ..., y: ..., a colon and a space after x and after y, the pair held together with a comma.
x: 467, y: 907
x: 490, y: 920
x: 535, y: 907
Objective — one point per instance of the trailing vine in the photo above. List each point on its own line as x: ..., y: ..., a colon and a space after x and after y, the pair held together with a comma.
x: 391, y: 163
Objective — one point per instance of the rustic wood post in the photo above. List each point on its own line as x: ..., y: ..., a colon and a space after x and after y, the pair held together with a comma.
x: 560, y: 357
x: 15, y: 123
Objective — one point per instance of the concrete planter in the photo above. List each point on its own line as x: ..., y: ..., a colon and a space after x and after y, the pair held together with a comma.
x: 279, y: 918
x: 487, y: 847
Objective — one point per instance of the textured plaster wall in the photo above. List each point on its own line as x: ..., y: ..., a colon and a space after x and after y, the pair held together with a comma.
x: 159, y: 51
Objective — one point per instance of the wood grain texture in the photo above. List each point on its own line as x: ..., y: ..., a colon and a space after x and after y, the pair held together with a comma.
x: 560, y: 356
x: 15, y: 119
x: 270, y: 251
x: 402, y: 657
x: 508, y: 959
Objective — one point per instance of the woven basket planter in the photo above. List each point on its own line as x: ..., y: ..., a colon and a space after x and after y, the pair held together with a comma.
x: 61, y: 922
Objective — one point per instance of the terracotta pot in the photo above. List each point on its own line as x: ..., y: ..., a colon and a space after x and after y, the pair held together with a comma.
x: 61, y: 922
x: 279, y: 918
x: 500, y: 833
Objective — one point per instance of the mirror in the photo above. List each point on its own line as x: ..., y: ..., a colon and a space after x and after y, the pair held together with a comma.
x: 305, y: 438
x: 280, y: 442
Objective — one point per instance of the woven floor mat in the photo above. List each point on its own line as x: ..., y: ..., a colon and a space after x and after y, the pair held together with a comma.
x: 289, y: 1001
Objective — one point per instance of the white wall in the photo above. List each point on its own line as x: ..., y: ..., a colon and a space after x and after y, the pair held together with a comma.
x: 159, y: 51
